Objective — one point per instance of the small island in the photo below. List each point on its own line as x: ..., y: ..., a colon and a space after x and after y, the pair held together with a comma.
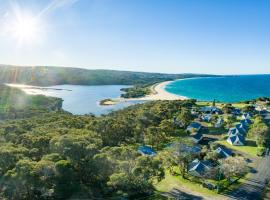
x: 107, y: 102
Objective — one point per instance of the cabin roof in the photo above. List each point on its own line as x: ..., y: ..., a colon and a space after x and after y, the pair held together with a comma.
x: 223, y: 152
x: 146, y: 150
x: 195, y: 125
x: 235, y: 138
x: 199, y: 166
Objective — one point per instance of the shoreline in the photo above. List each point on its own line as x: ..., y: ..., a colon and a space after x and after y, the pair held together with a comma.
x: 158, y: 92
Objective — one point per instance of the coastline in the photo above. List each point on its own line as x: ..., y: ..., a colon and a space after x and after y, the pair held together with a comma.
x: 158, y: 93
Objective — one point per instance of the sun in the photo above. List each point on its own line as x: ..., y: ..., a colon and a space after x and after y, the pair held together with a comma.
x: 25, y: 28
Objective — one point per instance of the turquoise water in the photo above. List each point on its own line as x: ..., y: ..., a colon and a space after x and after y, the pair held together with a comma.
x: 223, y: 89
x: 81, y: 100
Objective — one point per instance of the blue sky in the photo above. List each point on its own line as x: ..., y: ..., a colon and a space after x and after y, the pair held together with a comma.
x: 173, y: 36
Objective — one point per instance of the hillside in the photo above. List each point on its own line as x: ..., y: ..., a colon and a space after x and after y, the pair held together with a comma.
x: 14, y: 103
x: 46, y: 76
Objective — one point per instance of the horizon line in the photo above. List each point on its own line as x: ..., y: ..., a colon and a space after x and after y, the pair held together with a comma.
x: 125, y: 70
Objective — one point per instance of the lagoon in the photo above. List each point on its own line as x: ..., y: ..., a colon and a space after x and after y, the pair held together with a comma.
x: 227, y: 89
x: 82, y: 100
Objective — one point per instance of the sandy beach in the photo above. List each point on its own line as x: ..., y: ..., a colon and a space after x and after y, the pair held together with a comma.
x: 159, y: 93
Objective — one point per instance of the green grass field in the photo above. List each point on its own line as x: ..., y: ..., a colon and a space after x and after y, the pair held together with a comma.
x: 249, y: 148
x: 177, y: 182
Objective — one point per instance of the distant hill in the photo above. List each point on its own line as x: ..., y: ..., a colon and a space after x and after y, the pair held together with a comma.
x: 47, y: 76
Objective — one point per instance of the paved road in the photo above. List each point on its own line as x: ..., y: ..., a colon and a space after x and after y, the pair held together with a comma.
x: 254, y: 186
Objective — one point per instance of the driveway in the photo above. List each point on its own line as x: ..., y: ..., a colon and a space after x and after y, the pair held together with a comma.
x: 254, y: 185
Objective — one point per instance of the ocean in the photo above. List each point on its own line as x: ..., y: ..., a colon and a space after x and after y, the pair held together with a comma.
x: 227, y: 89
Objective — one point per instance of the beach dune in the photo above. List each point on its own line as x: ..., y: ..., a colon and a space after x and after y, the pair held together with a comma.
x: 159, y: 93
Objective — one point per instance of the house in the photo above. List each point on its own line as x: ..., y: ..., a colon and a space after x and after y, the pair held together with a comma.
x: 196, y: 137
x: 194, y: 111
x: 199, y: 168
x: 246, y: 122
x: 238, y: 129
x: 232, y: 131
x: 242, y: 128
x: 211, y: 110
x: 236, y: 111
x: 246, y: 116
x: 236, y: 140
x: 146, y: 151
x: 219, y: 123
x: 223, y: 153
x: 194, y: 126
x: 262, y: 110
x: 194, y: 149
x: 206, y: 117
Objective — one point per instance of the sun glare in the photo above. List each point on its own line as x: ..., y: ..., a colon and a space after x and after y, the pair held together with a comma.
x: 25, y: 28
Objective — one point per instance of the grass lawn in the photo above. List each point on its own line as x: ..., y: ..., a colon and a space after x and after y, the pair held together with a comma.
x: 171, y: 182
x: 249, y: 148
x: 209, y: 103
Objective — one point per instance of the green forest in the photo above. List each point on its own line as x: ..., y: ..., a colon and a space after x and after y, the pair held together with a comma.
x: 48, y: 153
x: 14, y: 103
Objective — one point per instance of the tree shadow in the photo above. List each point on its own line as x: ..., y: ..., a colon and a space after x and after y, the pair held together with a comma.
x: 178, y: 194
x: 206, y: 140
x: 251, y: 143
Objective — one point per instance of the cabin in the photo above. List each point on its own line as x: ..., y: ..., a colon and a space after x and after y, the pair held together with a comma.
x: 219, y: 123
x: 246, y: 122
x: 194, y: 111
x: 206, y: 117
x: 236, y: 140
x: 238, y: 129
x: 199, y: 168
x: 146, y: 151
x: 211, y: 110
x: 246, y: 116
x: 242, y: 128
x: 223, y: 152
x: 262, y: 110
x: 194, y: 126
x: 193, y: 149
x: 196, y: 137
x: 236, y: 111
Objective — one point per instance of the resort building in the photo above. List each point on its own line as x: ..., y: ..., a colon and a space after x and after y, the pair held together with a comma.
x: 236, y: 111
x: 194, y: 127
x: 146, y: 151
x: 219, y: 123
x: 246, y: 116
x: 206, y: 117
x: 211, y: 110
x: 223, y: 153
x: 196, y: 137
x: 236, y: 140
x: 182, y: 147
x: 246, y: 122
x: 238, y: 129
x: 199, y: 168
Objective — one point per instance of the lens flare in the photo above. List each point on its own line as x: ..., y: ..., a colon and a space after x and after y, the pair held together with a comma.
x: 25, y: 28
